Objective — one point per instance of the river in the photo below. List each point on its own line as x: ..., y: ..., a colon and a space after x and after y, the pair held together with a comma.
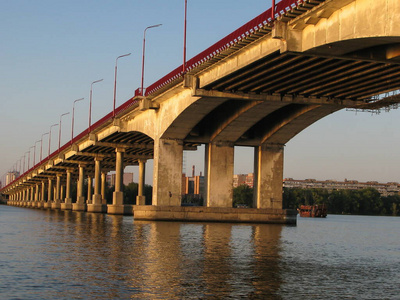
x: 46, y: 254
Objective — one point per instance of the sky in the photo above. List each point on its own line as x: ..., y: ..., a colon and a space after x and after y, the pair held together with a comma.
x: 51, y: 52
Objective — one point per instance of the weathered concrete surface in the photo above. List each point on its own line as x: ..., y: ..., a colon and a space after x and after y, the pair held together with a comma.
x: 214, y: 214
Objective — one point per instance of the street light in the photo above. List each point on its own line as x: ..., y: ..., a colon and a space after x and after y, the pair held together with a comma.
x: 115, y: 80
x: 28, y: 160
x: 41, y: 145
x: 73, y: 117
x: 184, y: 40
x: 34, y: 153
x: 50, y: 137
x: 90, y: 102
x: 22, y: 170
x: 59, y: 131
x: 29, y: 157
x: 144, y: 47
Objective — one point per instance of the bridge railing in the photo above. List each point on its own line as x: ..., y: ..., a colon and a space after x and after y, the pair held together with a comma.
x: 231, y: 39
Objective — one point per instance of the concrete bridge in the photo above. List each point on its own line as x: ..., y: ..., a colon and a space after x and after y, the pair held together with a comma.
x: 258, y: 87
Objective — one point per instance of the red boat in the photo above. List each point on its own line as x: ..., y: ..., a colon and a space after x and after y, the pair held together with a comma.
x: 312, y: 211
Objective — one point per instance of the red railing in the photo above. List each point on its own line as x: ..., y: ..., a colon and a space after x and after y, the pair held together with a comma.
x: 250, y: 27
x: 228, y: 41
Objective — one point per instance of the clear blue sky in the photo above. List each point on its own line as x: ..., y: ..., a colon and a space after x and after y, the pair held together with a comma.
x: 52, y: 50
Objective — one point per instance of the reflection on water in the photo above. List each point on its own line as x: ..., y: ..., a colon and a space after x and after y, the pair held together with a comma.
x: 48, y: 254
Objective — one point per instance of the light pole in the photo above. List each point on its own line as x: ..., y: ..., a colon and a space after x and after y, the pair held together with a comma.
x: 41, y: 145
x: 22, y: 170
x: 50, y: 137
x: 29, y: 157
x: 27, y: 152
x: 184, y: 40
x: 273, y: 10
x: 90, y: 102
x: 73, y: 118
x: 34, y: 153
x: 144, y: 48
x: 59, y: 131
x: 115, y: 80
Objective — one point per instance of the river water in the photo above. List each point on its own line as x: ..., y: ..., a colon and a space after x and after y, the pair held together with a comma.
x: 47, y: 254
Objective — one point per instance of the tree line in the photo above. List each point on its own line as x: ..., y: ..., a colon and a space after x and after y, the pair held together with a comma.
x: 357, y: 202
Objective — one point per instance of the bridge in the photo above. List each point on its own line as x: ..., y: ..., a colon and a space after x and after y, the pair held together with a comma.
x: 258, y: 87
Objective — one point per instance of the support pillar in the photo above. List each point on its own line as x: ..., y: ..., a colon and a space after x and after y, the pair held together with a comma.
x: 141, y: 199
x: 41, y: 201
x: 80, y: 204
x: 117, y: 207
x: 103, y: 188
x: 219, y: 175
x: 268, y: 179
x: 96, y: 205
x: 67, y: 205
x: 57, y: 201
x: 34, y: 204
x: 49, y: 194
x: 167, y: 174
x: 89, y: 190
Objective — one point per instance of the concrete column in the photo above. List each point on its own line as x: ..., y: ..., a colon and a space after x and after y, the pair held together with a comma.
x: 49, y: 194
x: 36, y: 194
x: 167, y: 174
x: 219, y: 175
x: 57, y: 197
x: 97, y: 181
x: 43, y: 191
x: 268, y: 176
x: 96, y: 205
x: 41, y: 201
x: 67, y: 205
x: 141, y: 199
x: 117, y: 206
x: 103, y: 187
x: 89, y: 189
x: 32, y: 198
x: 80, y: 204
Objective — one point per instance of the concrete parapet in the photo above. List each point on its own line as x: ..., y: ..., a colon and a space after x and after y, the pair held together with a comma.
x: 214, y: 214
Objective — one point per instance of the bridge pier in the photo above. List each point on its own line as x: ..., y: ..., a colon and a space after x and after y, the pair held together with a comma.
x: 219, y: 175
x: 268, y: 160
x: 140, y: 198
x: 57, y: 201
x: 167, y: 174
x: 117, y: 207
x: 80, y: 204
x: 67, y: 205
x: 97, y: 205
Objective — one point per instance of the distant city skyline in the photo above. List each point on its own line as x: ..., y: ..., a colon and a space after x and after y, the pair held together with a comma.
x: 52, y: 52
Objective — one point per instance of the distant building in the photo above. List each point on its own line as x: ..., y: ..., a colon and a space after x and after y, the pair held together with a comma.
x: 11, y: 176
x: 193, y: 185
x: 240, y: 179
x: 127, y: 179
x: 385, y: 189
